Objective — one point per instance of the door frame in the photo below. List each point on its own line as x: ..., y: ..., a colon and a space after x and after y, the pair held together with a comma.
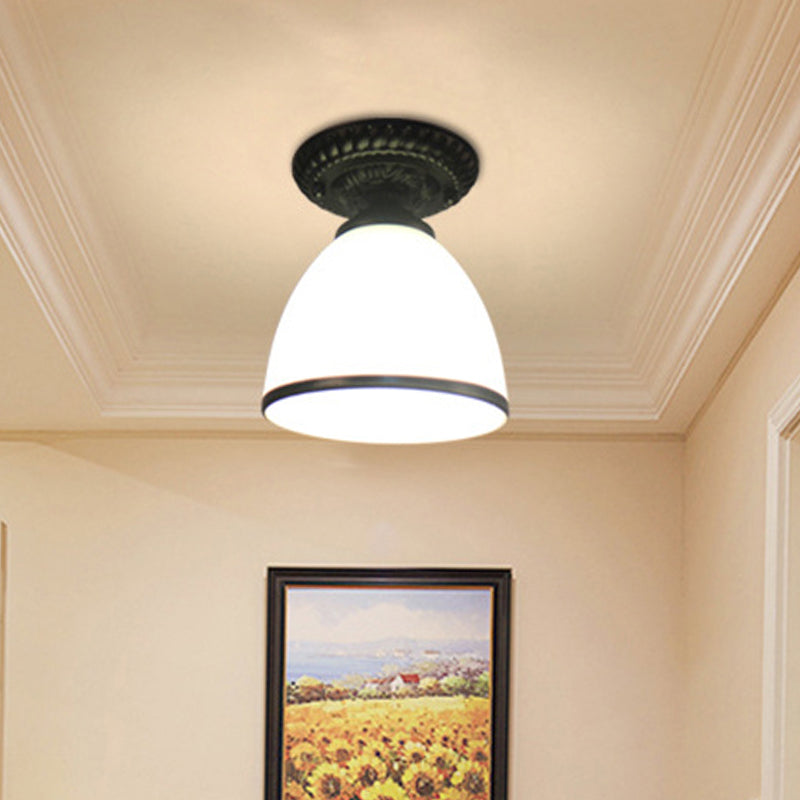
x: 783, y: 424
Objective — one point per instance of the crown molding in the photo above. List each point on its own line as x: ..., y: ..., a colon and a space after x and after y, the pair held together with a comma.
x: 744, y: 177
x: 599, y: 388
x: 732, y: 167
x: 46, y: 224
x: 182, y: 387
x: 45, y: 244
x: 197, y: 388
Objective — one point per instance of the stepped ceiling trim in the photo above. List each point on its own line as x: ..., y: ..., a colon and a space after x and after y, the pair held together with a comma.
x: 753, y: 166
x: 726, y: 182
x: 35, y: 226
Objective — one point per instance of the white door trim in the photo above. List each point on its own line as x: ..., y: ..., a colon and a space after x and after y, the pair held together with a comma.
x: 782, y: 424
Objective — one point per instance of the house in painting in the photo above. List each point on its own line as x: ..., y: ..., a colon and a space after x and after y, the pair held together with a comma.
x: 404, y: 681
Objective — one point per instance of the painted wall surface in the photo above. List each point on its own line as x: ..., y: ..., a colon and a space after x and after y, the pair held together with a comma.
x: 137, y: 600
x: 725, y: 481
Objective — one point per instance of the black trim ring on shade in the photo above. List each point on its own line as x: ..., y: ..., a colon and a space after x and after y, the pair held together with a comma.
x: 386, y: 382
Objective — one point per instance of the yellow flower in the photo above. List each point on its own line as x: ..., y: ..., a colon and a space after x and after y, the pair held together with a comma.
x: 443, y: 759
x: 473, y: 781
x: 304, y: 757
x: 479, y: 753
x: 330, y: 782
x: 294, y: 791
x: 376, y: 750
x: 415, y: 752
x: 366, y: 770
x: 422, y: 781
x: 340, y: 751
x: 385, y: 790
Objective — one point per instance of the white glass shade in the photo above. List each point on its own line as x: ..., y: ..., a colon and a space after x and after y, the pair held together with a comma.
x: 385, y: 304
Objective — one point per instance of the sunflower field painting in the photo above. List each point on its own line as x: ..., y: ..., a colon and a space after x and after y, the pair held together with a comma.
x: 386, y: 685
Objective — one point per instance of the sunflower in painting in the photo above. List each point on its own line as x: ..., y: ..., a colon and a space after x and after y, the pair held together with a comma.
x: 304, y: 756
x: 479, y: 753
x: 340, y: 751
x: 384, y: 790
x: 425, y: 748
x: 365, y: 771
x: 422, y: 781
x: 472, y: 781
x: 330, y: 782
x: 443, y: 759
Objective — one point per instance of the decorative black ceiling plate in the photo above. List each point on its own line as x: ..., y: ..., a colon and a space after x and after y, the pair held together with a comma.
x: 357, y: 166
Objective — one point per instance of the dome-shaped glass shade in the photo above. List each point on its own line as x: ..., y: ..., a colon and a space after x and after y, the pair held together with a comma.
x: 385, y: 340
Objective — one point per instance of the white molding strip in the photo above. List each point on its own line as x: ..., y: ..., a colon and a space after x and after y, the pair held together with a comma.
x: 781, y: 426
x: 42, y: 235
x: 752, y: 167
x: 3, y: 587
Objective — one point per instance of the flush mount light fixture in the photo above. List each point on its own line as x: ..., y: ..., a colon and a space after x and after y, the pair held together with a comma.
x: 385, y: 339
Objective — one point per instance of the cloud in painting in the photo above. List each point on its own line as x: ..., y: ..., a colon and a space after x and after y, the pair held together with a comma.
x: 350, y: 615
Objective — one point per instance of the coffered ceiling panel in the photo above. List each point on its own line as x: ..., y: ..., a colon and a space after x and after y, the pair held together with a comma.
x: 634, y: 156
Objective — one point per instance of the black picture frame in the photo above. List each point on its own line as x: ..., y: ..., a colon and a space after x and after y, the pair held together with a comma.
x: 300, y: 763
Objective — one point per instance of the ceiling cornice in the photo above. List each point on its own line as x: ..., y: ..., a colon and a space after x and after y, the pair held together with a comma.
x: 42, y: 236
x: 737, y: 183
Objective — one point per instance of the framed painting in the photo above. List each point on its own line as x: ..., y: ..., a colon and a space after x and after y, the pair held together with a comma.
x: 387, y: 684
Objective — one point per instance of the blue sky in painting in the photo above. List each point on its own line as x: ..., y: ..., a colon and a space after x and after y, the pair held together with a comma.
x: 350, y: 615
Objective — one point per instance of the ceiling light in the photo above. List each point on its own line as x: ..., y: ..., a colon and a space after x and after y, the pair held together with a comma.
x: 385, y: 339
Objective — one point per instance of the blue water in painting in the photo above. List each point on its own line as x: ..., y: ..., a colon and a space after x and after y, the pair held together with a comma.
x: 326, y: 664
x: 331, y: 667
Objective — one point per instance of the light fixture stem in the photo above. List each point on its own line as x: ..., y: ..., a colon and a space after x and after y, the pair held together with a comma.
x: 386, y: 214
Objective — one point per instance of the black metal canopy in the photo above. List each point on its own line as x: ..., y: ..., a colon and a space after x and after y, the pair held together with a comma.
x: 371, y: 169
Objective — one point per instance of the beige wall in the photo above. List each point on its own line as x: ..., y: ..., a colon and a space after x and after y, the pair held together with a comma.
x: 725, y: 478
x: 136, y: 600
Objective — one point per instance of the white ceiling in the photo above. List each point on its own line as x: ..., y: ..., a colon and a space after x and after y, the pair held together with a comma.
x: 635, y: 213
